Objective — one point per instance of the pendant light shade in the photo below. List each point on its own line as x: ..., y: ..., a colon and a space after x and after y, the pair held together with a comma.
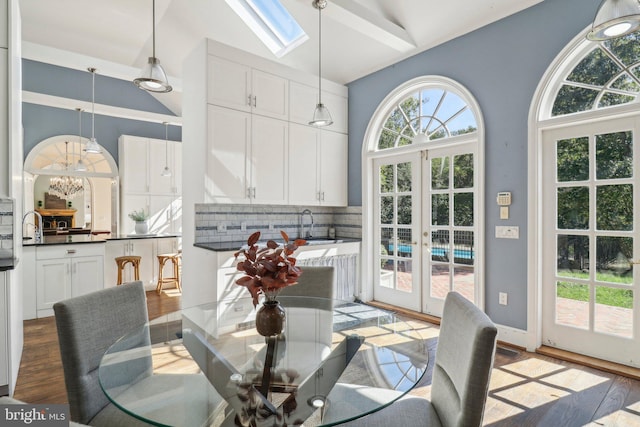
x: 80, y: 166
x: 166, y: 171
x: 615, y: 18
x: 321, y: 115
x: 152, y: 77
x: 93, y: 146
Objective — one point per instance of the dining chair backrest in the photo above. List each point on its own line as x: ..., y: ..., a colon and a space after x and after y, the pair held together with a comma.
x: 87, y: 326
x: 313, y: 282
x: 463, y: 363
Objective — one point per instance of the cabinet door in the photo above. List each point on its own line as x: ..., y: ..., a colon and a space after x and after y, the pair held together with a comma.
x: 303, y: 162
x: 128, y: 204
x: 338, y: 107
x: 4, y: 328
x: 302, y: 102
x: 270, y: 95
x: 176, y: 171
x: 227, y: 149
x: 87, y: 275
x: 162, y: 212
x: 333, y: 168
x: 269, y: 160
x: 159, y: 184
x: 228, y: 84
x: 134, y: 164
x: 53, y: 282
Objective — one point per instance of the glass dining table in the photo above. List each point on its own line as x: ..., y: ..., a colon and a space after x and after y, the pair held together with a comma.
x: 208, y: 366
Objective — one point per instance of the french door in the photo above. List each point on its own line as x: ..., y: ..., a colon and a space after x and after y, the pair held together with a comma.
x: 590, y: 241
x: 426, y: 229
x: 450, y: 218
x: 397, y: 230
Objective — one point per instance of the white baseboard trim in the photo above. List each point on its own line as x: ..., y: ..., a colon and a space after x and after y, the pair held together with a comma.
x: 513, y: 336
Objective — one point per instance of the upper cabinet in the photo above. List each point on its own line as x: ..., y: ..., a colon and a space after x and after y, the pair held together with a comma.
x: 251, y: 117
x: 244, y: 88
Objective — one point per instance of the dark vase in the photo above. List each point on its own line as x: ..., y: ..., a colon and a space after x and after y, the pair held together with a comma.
x: 270, y: 318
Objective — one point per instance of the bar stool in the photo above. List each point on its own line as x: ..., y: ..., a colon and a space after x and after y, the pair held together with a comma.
x: 175, y: 258
x: 122, y: 261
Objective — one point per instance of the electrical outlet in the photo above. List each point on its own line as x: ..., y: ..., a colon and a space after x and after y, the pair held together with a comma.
x: 270, y: 226
x: 502, y: 298
x: 243, y: 226
x: 222, y: 227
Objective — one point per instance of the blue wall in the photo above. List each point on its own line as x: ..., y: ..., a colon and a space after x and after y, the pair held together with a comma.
x: 501, y: 65
x: 41, y: 122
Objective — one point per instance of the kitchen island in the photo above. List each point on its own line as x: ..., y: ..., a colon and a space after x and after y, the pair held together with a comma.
x: 67, y: 265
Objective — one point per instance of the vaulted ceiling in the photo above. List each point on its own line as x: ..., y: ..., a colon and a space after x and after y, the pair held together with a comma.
x: 359, y: 36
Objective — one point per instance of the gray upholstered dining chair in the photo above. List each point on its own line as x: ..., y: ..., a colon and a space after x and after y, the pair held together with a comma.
x: 460, y: 383
x: 87, y: 326
x: 313, y: 282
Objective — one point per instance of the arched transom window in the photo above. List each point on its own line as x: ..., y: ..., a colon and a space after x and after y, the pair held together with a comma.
x: 428, y: 114
x: 607, y: 75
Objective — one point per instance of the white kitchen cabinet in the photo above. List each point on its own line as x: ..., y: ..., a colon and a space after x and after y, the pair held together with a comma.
x: 243, y: 88
x: 246, y: 157
x: 133, y: 160
x: 143, y: 248
x: 317, y: 166
x: 4, y: 331
x: 303, y: 100
x: 67, y: 271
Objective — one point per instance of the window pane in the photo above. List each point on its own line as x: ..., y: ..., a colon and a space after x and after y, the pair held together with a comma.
x: 463, y: 250
x: 411, y: 106
x: 609, y: 98
x: 439, y: 281
x: 387, y: 242
x: 463, y: 282
x: 430, y: 100
x: 614, y: 155
x: 572, y: 159
x: 386, y: 210
x: 613, y: 259
x: 386, y: 178
x: 404, y: 242
x: 463, y: 123
x: 463, y: 209
x: 404, y: 177
x: 573, y: 208
x: 572, y: 304
x: 572, y: 99
x: 463, y: 171
x: 439, y: 209
x: 387, y: 275
x: 614, y: 311
x: 440, y: 245
x: 626, y: 48
x: 614, y: 207
x: 404, y: 210
x: 387, y: 139
x: 573, y: 256
x: 595, y: 69
x: 625, y: 82
x: 440, y: 173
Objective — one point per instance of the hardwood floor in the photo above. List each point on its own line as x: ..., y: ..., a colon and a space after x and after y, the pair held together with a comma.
x: 527, y: 389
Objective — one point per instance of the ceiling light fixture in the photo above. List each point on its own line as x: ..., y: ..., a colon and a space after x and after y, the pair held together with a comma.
x: 66, y: 187
x: 93, y: 146
x: 615, y: 18
x: 152, y: 77
x: 80, y: 166
x: 166, y: 171
x: 321, y: 115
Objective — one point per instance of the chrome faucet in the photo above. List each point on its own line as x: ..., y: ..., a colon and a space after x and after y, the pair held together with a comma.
x: 37, y: 234
x: 309, y: 233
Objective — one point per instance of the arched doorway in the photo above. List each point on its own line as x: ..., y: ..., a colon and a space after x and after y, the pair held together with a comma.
x: 97, y: 208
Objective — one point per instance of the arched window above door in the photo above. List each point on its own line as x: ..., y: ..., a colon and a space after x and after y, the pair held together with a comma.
x: 432, y: 112
x: 599, y: 75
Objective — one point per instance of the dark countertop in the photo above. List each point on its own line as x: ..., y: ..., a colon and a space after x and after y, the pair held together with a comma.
x: 8, y: 263
x: 234, y: 246
x: 66, y: 239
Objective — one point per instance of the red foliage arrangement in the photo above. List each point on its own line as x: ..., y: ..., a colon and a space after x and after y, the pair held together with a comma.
x: 268, y: 269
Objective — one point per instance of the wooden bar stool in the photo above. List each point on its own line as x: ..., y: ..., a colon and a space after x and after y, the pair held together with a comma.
x: 122, y: 261
x: 175, y: 258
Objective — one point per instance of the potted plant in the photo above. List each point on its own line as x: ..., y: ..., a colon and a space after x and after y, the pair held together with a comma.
x: 142, y: 221
x: 266, y: 271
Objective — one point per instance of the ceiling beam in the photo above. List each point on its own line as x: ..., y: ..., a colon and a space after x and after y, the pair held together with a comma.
x: 369, y: 23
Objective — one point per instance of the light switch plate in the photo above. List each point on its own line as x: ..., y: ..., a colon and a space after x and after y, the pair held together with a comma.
x: 507, y: 232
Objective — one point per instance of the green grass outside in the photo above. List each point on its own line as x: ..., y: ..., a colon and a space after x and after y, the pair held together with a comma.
x: 604, y: 295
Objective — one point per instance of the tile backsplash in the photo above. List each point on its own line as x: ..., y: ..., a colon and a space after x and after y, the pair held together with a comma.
x: 234, y: 223
x: 6, y: 227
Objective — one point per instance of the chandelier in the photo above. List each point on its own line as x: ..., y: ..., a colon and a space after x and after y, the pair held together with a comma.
x: 66, y: 187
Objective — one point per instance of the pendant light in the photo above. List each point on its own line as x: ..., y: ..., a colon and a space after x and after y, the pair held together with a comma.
x: 615, y: 18
x: 152, y: 77
x: 321, y: 115
x: 80, y: 166
x: 166, y: 171
x: 93, y: 146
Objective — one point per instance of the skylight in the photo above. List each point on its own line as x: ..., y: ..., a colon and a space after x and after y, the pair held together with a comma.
x: 272, y: 23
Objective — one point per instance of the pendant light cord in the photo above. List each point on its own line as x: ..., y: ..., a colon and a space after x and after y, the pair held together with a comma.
x: 320, y: 7
x: 166, y: 149
x: 153, y: 28
x: 93, y: 102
